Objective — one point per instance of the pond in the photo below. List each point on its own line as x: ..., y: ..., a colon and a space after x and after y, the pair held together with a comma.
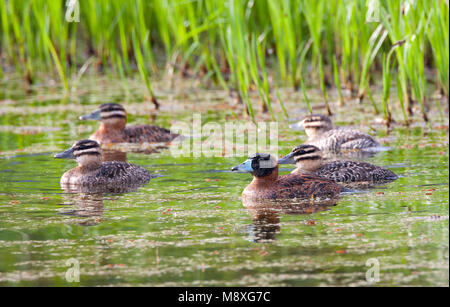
x: 188, y: 226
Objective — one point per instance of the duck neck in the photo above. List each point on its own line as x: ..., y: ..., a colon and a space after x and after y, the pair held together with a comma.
x: 314, y: 132
x: 89, y: 163
x: 112, y: 126
x: 310, y: 165
x: 300, y: 171
x: 265, y: 181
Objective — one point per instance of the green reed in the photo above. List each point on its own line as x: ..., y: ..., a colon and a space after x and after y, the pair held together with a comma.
x: 248, y: 46
x: 337, y: 81
x: 438, y: 36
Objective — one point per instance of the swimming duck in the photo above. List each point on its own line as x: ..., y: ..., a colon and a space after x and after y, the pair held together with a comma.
x: 322, y: 134
x: 92, y: 172
x: 267, y: 185
x: 112, y: 129
x: 308, y: 159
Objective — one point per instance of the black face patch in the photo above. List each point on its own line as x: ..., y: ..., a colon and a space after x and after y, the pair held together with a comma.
x: 260, y: 163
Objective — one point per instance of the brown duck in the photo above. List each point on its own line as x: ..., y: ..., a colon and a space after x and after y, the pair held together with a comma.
x: 113, y: 127
x: 266, y: 183
x: 308, y: 159
x: 322, y: 134
x: 91, y: 172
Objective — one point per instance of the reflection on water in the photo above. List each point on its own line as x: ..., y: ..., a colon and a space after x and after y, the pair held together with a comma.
x: 266, y: 214
x: 87, y: 201
x: 143, y: 147
x: 83, y: 204
x: 71, y: 188
x: 265, y: 225
x: 185, y: 227
x: 296, y: 205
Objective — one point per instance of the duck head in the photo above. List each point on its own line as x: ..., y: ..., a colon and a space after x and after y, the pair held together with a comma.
x: 305, y: 157
x: 85, y: 152
x: 258, y: 164
x: 112, y: 115
x: 314, y: 124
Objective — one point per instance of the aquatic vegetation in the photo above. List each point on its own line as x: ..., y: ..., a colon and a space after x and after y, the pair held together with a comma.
x: 189, y: 226
x: 240, y: 45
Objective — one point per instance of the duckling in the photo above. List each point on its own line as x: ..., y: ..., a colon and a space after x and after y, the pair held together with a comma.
x: 91, y: 172
x: 112, y: 129
x: 322, y: 134
x: 267, y: 185
x: 308, y: 158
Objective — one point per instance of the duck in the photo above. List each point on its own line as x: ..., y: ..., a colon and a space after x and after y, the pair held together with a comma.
x: 113, y: 127
x: 308, y: 159
x: 266, y: 183
x: 93, y: 172
x: 321, y: 133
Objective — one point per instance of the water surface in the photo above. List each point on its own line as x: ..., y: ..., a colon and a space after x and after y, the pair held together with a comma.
x: 188, y: 226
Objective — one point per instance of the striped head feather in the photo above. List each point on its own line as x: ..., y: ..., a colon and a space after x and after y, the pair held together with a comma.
x: 306, y: 157
x: 85, y: 152
x: 110, y: 114
x: 112, y: 110
x: 86, y: 147
x: 316, y: 124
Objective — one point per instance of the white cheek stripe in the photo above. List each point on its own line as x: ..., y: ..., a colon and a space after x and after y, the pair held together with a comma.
x: 306, y: 156
x: 111, y: 113
x: 313, y: 125
x: 80, y: 152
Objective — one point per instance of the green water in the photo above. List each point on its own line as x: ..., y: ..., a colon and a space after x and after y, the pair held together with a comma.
x: 188, y: 227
